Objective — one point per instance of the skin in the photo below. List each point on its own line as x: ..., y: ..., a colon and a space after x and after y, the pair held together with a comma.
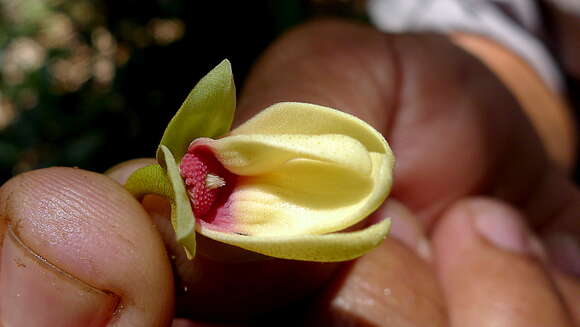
x: 465, y: 150
x: 546, y: 109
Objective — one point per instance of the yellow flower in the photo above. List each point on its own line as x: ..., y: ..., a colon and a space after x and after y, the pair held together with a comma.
x: 283, y: 184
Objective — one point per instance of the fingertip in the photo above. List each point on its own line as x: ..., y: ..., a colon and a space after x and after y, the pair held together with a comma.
x: 407, y: 228
x: 87, y: 226
x: 388, y: 286
x: 28, y: 281
x: 490, y: 266
x: 485, y: 219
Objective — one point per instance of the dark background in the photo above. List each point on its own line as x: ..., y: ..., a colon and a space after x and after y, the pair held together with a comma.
x: 91, y: 83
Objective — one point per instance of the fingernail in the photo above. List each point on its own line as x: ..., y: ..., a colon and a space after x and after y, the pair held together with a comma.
x: 504, y: 228
x: 407, y: 228
x: 35, y: 293
x: 564, y: 251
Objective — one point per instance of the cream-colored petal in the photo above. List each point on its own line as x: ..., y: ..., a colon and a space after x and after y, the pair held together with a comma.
x: 250, y: 155
x: 308, y: 198
x: 310, y: 119
x: 305, y: 170
x: 320, y: 248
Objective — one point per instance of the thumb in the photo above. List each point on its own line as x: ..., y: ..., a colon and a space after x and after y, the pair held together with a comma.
x: 78, y: 250
x: 225, y: 283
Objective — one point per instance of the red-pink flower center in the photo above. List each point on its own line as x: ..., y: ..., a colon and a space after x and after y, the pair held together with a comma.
x: 207, y: 182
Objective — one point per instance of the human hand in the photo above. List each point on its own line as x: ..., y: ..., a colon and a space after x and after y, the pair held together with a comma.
x: 499, y: 277
x: 103, y: 227
x: 454, y: 128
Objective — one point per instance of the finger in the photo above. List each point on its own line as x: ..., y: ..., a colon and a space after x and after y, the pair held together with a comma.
x: 428, y: 97
x: 406, y: 228
x: 469, y: 142
x: 392, y: 286
x: 225, y: 283
x: 569, y: 287
x: 547, y: 110
x: 490, y: 269
x: 79, y: 250
x: 556, y: 203
x: 333, y: 63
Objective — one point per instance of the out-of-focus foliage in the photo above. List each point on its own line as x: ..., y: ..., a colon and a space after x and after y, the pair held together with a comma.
x: 57, y: 66
x: 90, y: 83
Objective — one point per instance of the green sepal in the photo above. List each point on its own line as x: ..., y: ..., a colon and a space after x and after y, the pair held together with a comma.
x: 149, y: 180
x: 182, y: 217
x: 208, y: 111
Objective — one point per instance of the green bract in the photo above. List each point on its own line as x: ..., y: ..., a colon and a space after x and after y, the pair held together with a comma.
x: 208, y: 111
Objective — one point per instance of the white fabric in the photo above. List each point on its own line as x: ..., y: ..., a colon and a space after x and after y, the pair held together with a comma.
x: 483, y: 17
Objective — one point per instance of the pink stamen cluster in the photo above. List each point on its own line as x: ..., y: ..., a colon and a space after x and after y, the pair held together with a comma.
x: 194, y: 172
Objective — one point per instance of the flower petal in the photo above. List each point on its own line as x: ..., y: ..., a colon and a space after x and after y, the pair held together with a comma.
x: 250, y: 155
x: 307, y: 197
x: 182, y: 217
x: 208, y: 111
x: 319, y: 178
x: 320, y: 248
x: 305, y: 118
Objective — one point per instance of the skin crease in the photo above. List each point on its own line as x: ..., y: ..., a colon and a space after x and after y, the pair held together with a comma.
x: 427, y: 112
x: 90, y: 227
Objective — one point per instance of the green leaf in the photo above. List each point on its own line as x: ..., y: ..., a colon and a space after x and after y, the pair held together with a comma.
x: 208, y: 111
x: 182, y: 216
x: 149, y: 180
x: 320, y: 248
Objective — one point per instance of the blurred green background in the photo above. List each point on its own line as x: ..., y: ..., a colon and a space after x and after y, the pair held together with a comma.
x: 90, y: 83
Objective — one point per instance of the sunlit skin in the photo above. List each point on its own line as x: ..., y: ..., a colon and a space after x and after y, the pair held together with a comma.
x: 447, y: 119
